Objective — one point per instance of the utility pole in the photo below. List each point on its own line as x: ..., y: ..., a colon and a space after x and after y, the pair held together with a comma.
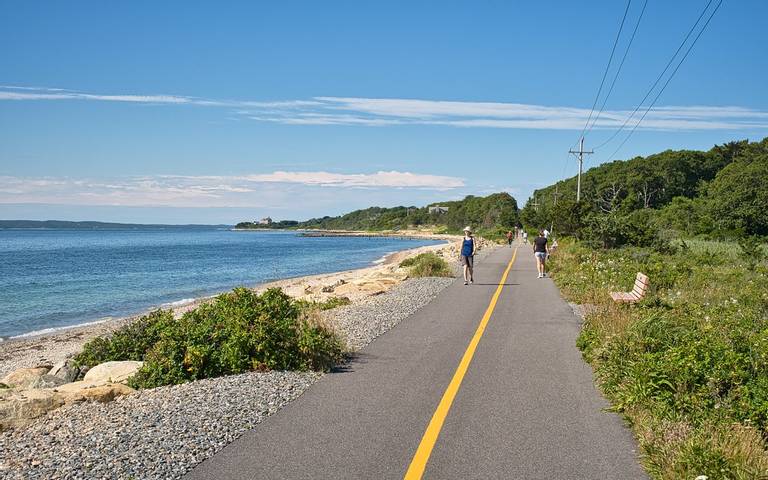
x: 581, y: 153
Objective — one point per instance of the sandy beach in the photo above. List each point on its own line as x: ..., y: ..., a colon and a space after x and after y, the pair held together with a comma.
x: 51, y: 347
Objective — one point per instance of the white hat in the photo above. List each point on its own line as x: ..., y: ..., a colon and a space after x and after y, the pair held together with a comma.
x: 468, y: 229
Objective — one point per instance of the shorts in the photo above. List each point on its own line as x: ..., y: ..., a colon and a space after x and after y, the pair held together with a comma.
x: 468, y: 260
x: 541, y: 255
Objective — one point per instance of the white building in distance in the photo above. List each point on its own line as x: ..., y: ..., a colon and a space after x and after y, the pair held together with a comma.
x: 438, y: 209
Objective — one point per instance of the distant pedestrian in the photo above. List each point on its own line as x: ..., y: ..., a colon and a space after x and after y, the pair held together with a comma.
x: 525, y: 236
x: 540, y: 251
x: 510, y: 237
x: 468, y: 249
x: 546, y: 233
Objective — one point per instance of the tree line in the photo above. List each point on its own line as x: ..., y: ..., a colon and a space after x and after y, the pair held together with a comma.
x: 492, y: 213
x: 720, y: 193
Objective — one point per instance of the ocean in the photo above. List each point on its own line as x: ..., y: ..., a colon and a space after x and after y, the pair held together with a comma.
x: 51, y: 279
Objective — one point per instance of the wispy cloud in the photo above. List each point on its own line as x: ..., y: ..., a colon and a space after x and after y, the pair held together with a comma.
x: 392, y: 179
x: 382, y: 112
x: 206, y: 191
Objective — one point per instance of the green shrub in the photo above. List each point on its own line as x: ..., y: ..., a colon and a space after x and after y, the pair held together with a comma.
x: 130, y: 342
x: 328, y: 304
x: 334, y: 302
x: 238, y: 332
x: 427, y: 264
x: 753, y: 252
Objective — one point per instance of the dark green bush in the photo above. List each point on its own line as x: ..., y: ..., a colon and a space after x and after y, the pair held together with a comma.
x: 752, y: 249
x: 130, y: 342
x: 238, y: 332
x: 427, y: 264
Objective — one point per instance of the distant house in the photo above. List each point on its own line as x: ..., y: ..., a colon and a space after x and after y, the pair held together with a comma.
x: 438, y: 209
x: 265, y: 221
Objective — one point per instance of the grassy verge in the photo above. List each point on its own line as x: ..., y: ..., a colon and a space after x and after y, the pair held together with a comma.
x: 688, y: 366
x: 427, y: 265
x: 238, y: 332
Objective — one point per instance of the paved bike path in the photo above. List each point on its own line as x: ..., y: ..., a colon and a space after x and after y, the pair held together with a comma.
x: 526, y: 408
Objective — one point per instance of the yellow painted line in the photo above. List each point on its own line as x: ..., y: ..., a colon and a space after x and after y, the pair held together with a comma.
x: 419, y: 462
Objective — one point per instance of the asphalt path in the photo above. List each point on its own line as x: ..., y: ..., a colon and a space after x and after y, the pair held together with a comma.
x: 525, y: 408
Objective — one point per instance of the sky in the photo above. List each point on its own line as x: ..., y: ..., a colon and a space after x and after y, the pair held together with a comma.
x: 210, y: 112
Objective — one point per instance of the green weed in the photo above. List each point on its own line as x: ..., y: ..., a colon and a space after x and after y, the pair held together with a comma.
x: 427, y: 264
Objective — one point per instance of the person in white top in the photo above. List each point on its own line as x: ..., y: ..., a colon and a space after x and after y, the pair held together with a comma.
x: 546, y: 233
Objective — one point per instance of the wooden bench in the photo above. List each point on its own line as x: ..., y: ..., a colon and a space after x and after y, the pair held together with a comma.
x: 637, y: 293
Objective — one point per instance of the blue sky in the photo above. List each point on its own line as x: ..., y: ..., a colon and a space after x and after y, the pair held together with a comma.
x: 206, y: 112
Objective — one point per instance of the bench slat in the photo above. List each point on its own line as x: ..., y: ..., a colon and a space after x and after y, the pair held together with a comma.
x: 638, y: 291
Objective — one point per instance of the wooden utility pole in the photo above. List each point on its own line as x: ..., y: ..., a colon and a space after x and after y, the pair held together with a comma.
x: 581, y: 153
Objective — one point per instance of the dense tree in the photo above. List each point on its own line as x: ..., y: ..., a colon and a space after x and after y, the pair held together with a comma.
x: 496, y: 211
x: 739, y: 196
x: 721, y: 191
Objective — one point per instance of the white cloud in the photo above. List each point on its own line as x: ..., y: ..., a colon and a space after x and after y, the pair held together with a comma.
x: 206, y: 191
x: 381, y: 112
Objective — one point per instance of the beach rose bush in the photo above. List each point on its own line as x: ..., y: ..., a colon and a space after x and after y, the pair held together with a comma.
x: 239, y: 331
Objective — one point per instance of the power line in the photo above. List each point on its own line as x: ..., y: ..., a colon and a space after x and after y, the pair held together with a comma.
x: 704, y: 27
x: 616, y: 76
x: 658, y: 79
x: 607, y: 67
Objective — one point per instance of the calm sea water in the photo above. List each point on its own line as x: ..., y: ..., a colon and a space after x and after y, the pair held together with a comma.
x: 57, y: 278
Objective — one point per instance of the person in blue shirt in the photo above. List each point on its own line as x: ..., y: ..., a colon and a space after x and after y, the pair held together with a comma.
x: 468, y: 248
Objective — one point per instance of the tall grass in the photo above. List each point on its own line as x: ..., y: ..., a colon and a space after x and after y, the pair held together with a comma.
x: 687, y: 366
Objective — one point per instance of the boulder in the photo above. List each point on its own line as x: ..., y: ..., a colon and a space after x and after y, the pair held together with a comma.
x: 19, y: 408
x: 92, y: 391
x: 24, y: 377
x: 115, y: 372
x: 47, y: 381
x: 66, y: 370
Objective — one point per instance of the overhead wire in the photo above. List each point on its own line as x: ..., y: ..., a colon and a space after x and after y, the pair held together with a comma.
x: 607, y: 67
x: 658, y: 79
x: 704, y: 27
x: 618, y: 70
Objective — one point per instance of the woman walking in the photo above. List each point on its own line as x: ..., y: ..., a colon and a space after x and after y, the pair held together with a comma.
x: 540, y: 251
x: 468, y: 249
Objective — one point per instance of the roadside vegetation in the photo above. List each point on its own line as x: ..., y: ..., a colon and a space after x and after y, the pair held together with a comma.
x: 427, y: 265
x: 688, y: 365
x: 239, y: 331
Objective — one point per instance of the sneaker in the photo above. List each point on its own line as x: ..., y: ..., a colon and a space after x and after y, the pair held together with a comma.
x: 466, y: 283
x: 471, y: 281
x: 539, y: 276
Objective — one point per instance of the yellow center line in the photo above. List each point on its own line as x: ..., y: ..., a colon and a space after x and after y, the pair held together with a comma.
x: 419, y: 462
